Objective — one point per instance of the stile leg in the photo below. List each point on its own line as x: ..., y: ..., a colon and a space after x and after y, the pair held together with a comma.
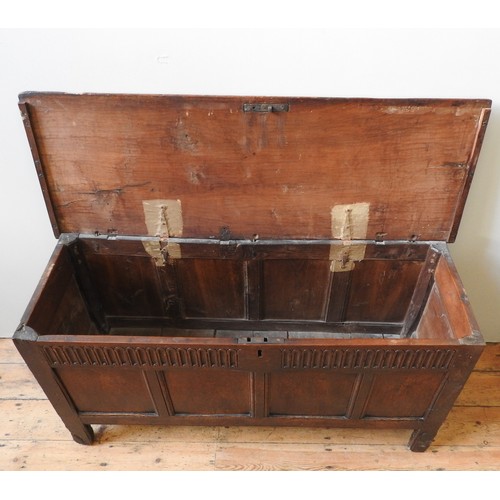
x: 25, y: 342
x: 84, y: 435
x: 421, y: 439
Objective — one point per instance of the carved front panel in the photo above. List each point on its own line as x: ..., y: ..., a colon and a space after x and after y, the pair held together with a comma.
x: 367, y: 359
x: 252, y: 381
x: 189, y: 357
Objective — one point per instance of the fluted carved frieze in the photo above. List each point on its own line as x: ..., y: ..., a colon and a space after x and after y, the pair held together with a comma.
x: 190, y: 357
x: 367, y: 358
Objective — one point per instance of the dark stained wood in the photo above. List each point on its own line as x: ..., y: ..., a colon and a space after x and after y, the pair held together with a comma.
x: 127, y: 285
x: 38, y: 165
x: 455, y: 301
x: 189, y: 390
x: 207, y: 245
x: 315, y: 328
x: 61, y: 307
x: 474, y: 156
x: 58, y: 278
x: 169, y: 289
x: 338, y: 296
x: 296, y: 393
x: 253, y: 289
x: 211, y: 288
x: 115, y: 246
x: 251, y: 250
x: 447, y: 313
x: 194, y: 382
x: 410, y: 396
x: 142, y: 295
x: 85, y: 283
x: 294, y: 289
x: 433, y: 323
x: 267, y: 287
x: 72, y: 314
x: 24, y: 341
x: 103, y: 155
x: 381, y: 291
x: 420, y: 293
x: 125, y: 391
x: 443, y: 400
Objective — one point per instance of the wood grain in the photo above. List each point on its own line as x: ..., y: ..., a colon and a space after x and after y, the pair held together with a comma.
x: 381, y: 290
x: 283, y: 456
x: 478, y: 390
x: 69, y: 456
x: 353, y: 457
x: 280, y: 284
x: 490, y: 359
x: 8, y: 353
x: 275, y: 174
x: 17, y: 382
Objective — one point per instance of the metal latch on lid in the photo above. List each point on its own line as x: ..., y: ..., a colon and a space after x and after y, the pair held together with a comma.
x: 265, y: 108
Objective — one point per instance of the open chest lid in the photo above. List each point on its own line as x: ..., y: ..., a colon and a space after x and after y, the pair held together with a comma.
x: 254, y: 167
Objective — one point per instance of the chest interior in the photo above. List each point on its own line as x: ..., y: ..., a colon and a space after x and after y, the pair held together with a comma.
x: 252, y: 291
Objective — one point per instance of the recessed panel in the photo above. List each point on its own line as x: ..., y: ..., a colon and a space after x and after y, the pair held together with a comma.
x: 295, y: 289
x: 310, y: 393
x: 209, y: 391
x: 211, y: 288
x: 126, y: 285
x: 402, y: 394
x: 381, y: 290
x: 107, y: 390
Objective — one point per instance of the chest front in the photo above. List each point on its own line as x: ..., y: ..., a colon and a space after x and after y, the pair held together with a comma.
x: 252, y: 261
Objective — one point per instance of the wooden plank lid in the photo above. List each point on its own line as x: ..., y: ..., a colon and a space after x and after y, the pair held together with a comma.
x: 247, y: 167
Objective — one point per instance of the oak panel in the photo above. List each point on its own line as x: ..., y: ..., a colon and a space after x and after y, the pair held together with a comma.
x: 410, y: 395
x: 100, y: 390
x: 381, y: 290
x: 294, y: 289
x: 207, y: 392
x: 211, y: 288
x: 310, y: 393
x: 125, y: 284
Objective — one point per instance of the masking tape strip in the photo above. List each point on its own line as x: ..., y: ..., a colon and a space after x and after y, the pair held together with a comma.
x: 154, y: 249
x: 350, y: 222
x: 344, y: 256
x: 174, y: 250
x: 163, y: 217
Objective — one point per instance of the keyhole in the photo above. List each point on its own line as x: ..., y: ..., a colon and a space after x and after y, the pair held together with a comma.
x: 259, y: 353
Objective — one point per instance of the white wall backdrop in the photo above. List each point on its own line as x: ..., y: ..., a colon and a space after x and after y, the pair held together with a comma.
x: 330, y: 63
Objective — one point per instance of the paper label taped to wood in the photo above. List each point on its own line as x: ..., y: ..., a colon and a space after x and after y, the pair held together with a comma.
x: 350, y: 222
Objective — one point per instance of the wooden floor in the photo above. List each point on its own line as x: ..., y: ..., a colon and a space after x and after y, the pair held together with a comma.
x: 33, y: 438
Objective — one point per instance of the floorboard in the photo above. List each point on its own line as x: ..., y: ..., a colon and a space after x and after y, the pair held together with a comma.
x: 34, y: 438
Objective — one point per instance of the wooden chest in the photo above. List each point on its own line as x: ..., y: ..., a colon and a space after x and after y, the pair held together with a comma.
x: 252, y: 260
